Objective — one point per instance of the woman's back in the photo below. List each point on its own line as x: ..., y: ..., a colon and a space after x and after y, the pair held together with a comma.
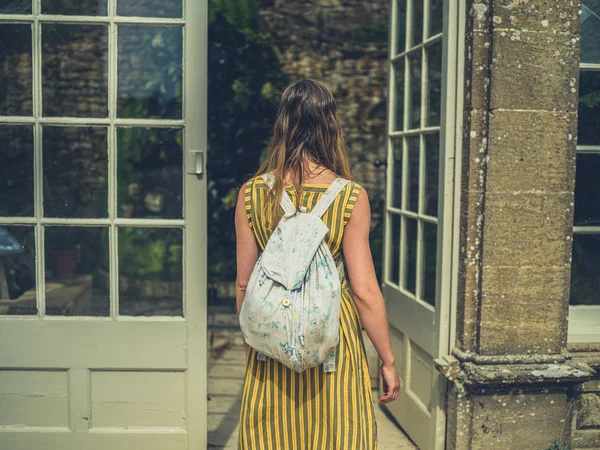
x: 336, y: 217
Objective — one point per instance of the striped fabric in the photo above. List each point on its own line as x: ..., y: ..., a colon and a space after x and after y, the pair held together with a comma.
x: 314, y: 410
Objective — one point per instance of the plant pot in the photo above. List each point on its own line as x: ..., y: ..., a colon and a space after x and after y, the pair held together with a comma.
x: 65, y: 264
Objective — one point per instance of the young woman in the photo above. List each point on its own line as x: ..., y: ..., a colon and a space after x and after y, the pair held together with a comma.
x: 314, y: 410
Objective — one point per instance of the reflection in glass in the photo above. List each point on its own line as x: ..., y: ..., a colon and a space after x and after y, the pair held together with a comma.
x: 75, y: 70
x: 434, y: 76
x: 432, y: 162
x: 150, y: 72
x: 429, y: 262
x: 436, y: 17
x: 417, y: 31
x: 410, y: 255
x: 394, y: 267
x: 589, y: 108
x: 17, y: 270
x: 587, y: 190
x: 585, y: 270
x: 150, y: 271
x: 401, y: 26
x: 75, y: 172
x: 397, y: 174
x: 149, y: 168
x: 77, y: 280
x: 414, y: 109
x: 412, y: 202
x: 150, y: 8
x: 75, y: 7
x: 15, y: 70
x: 16, y: 170
x: 399, y: 94
x: 590, y: 31
x: 15, y: 7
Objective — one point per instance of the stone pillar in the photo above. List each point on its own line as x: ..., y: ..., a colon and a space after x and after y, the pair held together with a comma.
x: 512, y: 379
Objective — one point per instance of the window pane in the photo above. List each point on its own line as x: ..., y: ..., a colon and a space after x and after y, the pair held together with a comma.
x: 17, y: 271
x: 432, y: 163
x: 15, y: 70
x: 585, y: 270
x: 16, y: 171
x: 410, y: 256
x: 401, y: 26
x: 77, y: 281
x: 150, y: 72
x: 75, y: 70
x: 75, y: 172
x: 414, y: 112
x: 15, y: 6
x: 429, y: 261
x: 150, y: 8
x: 149, y: 172
x: 590, y: 31
x: 394, y: 267
x: 417, y: 31
x: 82, y: 8
x: 399, y: 95
x: 397, y: 175
x: 436, y: 17
x: 434, y: 76
x: 587, y: 190
x: 412, y: 202
x: 589, y: 108
x: 150, y: 271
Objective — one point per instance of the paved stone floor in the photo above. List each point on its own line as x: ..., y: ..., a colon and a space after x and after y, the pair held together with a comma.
x: 225, y: 375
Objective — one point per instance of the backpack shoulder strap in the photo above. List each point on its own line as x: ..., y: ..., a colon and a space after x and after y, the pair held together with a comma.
x: 286, y: 202
x: 329, y: 196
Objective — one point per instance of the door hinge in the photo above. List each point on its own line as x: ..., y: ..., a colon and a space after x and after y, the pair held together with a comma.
x: 195, y: 162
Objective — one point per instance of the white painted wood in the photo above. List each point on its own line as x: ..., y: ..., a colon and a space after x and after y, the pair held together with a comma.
x: 421, y: 332
x: 117, y: 382
x: 584, y: 324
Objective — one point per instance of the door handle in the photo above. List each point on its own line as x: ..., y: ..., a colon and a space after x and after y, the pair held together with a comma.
x: 195, y: 162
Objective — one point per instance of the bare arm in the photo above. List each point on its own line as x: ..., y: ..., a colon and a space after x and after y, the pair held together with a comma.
x: 367, y: 294
x: 246, y: 252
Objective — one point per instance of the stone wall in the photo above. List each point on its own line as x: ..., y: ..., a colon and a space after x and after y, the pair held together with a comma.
x: 343, y: 43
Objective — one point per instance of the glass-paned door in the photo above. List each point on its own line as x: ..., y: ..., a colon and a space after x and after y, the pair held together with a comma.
x: 102, y: 224
x: 584, y: 311
x: 419, y: 207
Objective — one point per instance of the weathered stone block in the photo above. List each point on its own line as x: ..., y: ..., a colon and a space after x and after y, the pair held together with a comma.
x: 588, y: 414
x: 526, y: 229
x: 520, y: 419
x: 523, y: 310
x: 553, y: 17
x: 480, y: 70
x: 531, y: 150
x: 534, y: 71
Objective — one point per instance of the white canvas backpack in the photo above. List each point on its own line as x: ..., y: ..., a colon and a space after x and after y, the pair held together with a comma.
x: 291, y: 310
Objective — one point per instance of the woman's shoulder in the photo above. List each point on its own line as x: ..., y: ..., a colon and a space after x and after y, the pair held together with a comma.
x: 256, y: 181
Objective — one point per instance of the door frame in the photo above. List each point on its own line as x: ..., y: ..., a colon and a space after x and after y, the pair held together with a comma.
x: 195, y: 186
x: 448, y: 243
x: 39, y: 353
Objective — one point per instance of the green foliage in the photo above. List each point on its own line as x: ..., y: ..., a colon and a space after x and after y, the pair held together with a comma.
x: 591, y: 99
x: 245, y: 78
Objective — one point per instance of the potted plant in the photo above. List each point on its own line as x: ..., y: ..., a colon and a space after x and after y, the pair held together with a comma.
x: 64, y: 240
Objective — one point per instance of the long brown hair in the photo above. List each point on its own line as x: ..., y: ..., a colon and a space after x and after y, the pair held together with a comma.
x: 306, y: 129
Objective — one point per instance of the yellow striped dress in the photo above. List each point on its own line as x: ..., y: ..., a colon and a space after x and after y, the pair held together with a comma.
x: 314, y: 410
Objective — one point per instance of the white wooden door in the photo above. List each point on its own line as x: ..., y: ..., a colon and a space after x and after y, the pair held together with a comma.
x: 102, y: 225
x: 419, y: 207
